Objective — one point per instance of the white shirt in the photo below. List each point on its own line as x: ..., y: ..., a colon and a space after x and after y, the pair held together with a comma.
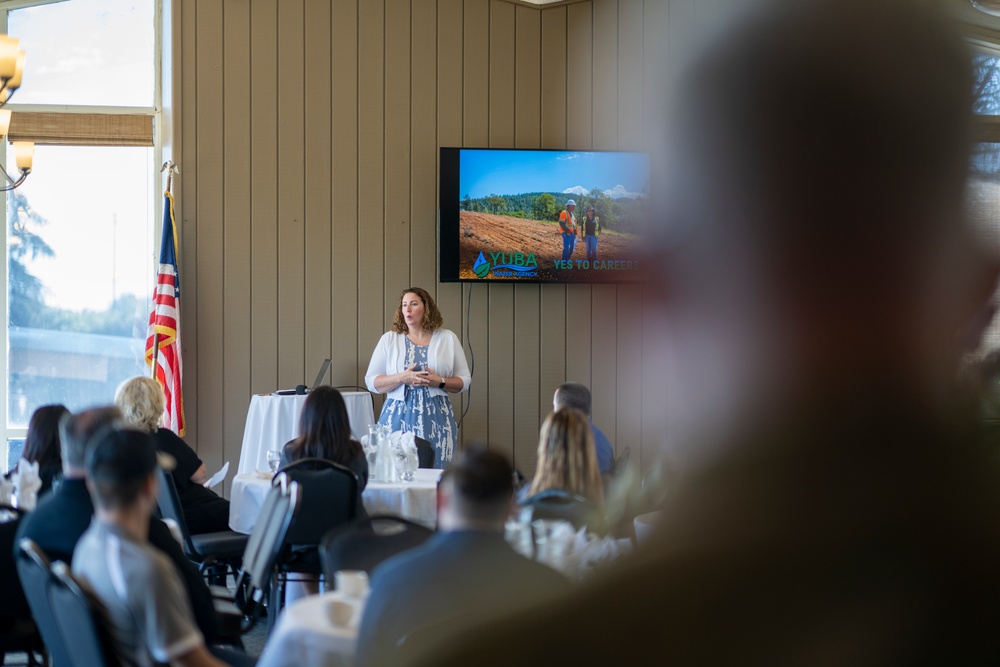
x: 445, y: 357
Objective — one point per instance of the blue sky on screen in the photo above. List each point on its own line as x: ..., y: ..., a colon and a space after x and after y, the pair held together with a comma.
x: 511, y: 172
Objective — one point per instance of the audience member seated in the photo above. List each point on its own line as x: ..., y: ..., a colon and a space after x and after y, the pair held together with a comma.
x: 62, y: 516
x: 141, y: 401
x: 325, y: 433
x: 41, y: 445
x: 576, y: 395
x: 466, y: 571
x: 145, y: 607
x: 567, y: 460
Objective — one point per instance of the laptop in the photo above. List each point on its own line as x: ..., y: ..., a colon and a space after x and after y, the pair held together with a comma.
x: 302, y: 389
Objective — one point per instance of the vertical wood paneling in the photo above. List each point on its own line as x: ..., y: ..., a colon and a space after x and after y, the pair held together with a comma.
x: 604, y: 338
x: 628, y: 384
x: 449, y: 73
x: 476, y: 133
x: 527, y: 299
x: 555, y: 96
x: 264, y: 205
x: 579, y: 135
x: 350, y: 357
x: 318, y: 207
x: 423, y: 149
x: 236, y: 209
x: 211, y: 334
x: 501, y: 297
x: 372, y: 306
x: 655, y: 415
x: 291, y: 190
x: 187, y: 206
x: 314, y: 182
x: 397, y: 151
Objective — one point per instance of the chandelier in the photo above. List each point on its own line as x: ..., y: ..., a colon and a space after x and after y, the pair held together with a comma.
x: 11, y: 69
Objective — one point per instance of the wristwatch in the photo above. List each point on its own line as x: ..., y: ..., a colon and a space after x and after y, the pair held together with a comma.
x: 441, y: 386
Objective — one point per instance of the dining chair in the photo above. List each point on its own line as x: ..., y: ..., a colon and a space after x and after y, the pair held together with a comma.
x: 560, y: 505
x: 217, y: 554
x: 66, y: 616
x: 18, y: 632
x: 329, y: 497
x: 34, y: 571
x: 425, y: 452
x: 363, y: 544
x: 263, y: 549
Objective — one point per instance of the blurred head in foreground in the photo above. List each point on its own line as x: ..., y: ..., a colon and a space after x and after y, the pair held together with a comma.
x: 815, y: 245
x: 475, y: 492
x: 121, y: 468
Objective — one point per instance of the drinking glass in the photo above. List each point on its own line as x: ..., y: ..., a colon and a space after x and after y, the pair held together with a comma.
x: 273, y: 459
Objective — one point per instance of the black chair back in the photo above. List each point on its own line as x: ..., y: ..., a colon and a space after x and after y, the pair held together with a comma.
x: 169, y: 501
x: 217, y: 554
x: 364, y: 544
x: 425, y: 452
x: 76, y: 618
x: 14, y: 606
x: 18, y: 632
x: 264, y: 548
x: 329, y: 498
x: 34, y: 571
x: 559, y: 505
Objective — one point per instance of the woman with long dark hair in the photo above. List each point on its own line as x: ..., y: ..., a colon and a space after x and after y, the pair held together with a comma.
x: 325, y: 433
x: 41, y: 445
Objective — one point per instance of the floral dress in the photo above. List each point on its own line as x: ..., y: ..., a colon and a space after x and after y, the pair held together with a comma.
x: 429, y: 417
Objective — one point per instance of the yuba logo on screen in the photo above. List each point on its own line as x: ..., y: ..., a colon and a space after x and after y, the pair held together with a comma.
x: 506, y: 265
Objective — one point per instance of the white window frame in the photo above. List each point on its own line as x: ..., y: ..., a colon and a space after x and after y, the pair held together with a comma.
x: 156, y: 112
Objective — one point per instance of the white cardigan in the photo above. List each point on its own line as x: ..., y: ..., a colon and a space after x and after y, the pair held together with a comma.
x: 445, y: 357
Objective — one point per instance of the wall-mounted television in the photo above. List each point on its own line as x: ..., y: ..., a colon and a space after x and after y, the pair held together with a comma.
x: 500, y: 215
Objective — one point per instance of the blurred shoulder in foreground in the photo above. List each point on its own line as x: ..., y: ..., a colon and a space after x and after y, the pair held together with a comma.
x: 815, y: 271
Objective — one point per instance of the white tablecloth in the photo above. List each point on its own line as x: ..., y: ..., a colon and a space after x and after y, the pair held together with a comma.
x: 416, y: 500
x: 305, y: 635
x: 274, y: 420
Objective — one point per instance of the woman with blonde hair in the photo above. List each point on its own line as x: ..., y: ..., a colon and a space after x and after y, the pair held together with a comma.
x: 141, y: 402
x: 567, y: 459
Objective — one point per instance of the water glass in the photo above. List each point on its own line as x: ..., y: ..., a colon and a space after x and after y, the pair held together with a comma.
x: 273, y: 459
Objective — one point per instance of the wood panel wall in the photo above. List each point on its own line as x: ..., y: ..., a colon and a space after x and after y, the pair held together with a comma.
x: 307, y: 132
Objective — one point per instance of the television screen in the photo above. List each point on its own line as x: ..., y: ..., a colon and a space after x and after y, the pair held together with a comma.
x: 542, y: 215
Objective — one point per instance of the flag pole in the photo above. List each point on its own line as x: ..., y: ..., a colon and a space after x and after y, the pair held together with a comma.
x: 170, y: 167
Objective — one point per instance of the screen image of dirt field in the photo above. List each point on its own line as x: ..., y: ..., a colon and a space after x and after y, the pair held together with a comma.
x: 562, y: 216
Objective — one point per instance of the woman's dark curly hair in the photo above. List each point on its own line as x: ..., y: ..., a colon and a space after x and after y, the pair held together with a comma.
x: 432, y: 316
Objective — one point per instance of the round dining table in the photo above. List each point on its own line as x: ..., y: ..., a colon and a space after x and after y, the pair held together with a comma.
x: 306, y: 633
x: 416, y: 500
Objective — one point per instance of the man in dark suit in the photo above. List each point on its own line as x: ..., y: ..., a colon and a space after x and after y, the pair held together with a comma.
x: 63, y: 515
x: 835, y: 507
x: 466, y: 571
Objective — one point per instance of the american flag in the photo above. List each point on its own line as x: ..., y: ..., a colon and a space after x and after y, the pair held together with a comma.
x: 164, y: 323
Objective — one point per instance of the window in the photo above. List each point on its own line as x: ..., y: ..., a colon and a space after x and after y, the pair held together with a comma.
x: 80, y: 230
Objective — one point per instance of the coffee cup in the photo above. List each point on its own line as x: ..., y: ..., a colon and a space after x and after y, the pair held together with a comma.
x: 340, y: 612
x: 352, y: 583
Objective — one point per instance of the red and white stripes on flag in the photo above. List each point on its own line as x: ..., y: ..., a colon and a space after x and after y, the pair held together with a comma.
x: 164, y: 324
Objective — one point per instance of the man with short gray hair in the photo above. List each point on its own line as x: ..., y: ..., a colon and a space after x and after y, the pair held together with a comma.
x: 576, y: 395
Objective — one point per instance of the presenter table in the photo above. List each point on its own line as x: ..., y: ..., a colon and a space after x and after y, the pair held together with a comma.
x: 274, y: 420
x: 416, y: 500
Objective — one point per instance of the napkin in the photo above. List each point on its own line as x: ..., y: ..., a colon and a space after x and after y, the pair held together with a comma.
x: 27, y: 482
x: 6, y: 491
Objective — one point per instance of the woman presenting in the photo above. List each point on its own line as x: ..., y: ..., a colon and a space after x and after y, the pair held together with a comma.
x: 417, y: 364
